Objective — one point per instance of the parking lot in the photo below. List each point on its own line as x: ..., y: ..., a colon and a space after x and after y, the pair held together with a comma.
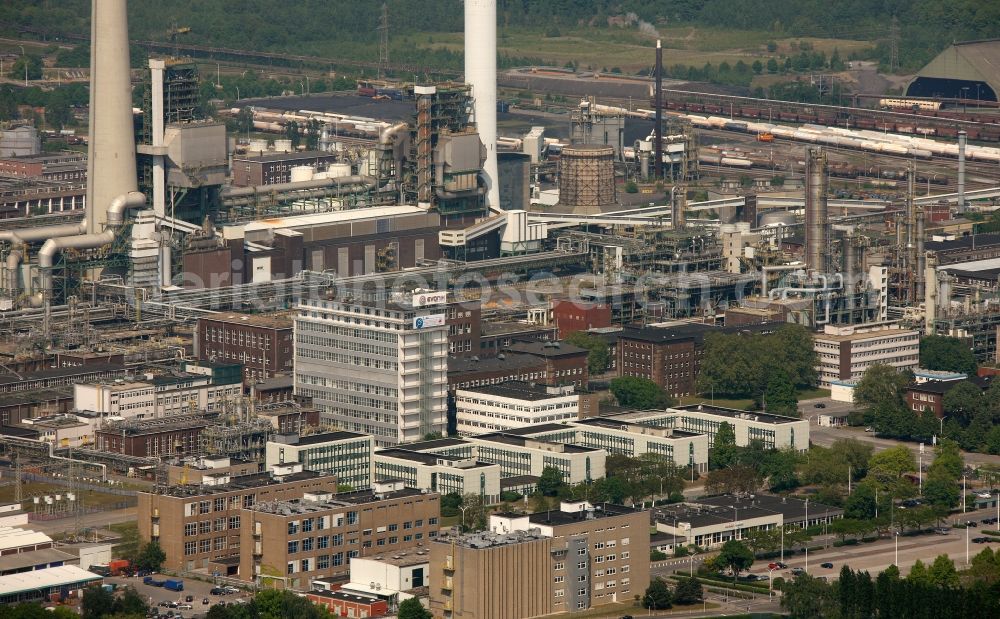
x: 198, y: 590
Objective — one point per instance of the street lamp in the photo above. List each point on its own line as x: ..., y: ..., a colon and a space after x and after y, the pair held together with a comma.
x: 896, y: 560
x: 941, y: 428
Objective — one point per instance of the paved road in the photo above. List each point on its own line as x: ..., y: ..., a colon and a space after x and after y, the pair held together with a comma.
x: 197, y: 589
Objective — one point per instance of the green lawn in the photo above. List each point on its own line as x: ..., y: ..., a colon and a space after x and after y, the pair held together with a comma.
x: 812, y: 394
x: 743, y: 404
x: 631, y: 50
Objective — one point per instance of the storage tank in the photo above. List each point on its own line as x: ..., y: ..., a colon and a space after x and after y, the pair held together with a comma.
x: 587, y: 176
x: 257, y: 146
x: 302, y: 173
x: 283, y: 146
x: 776, y: 218
x: 338, y: 170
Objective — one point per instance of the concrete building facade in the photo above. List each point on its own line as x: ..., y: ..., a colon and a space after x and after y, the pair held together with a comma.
x: 846, y: 352
x: 378, y: 369
x: 492, y: 408
x: 347, y: 455
x: 578, y: 557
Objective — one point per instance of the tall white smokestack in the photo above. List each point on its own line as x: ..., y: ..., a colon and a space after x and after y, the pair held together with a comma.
x: 111, y: 149
x: 962, y: 137
x: 481, y: 74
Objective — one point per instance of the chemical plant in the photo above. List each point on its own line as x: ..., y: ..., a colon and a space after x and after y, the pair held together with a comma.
x: 215, y: 293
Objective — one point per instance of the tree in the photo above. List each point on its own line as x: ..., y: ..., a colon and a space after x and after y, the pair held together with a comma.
x: 942, y: 572
x: 947, y: 354
x: 881, y: 385
x: 918, y: 573
x: 658, y: 595
x: 34, y: 64
x: 131, y: 603
x: 688, y: 591
x: 638, y: 393
x: 475, y: 512
x: 599, y: 353
x: 736, y: 556
x: 963, y: 402
x: 779, y: 396
x: 772, y: 65
x: 886, y: 470
x: 806, y: 597
x: 724, y: 450
x: 450, y: 504
x: 58, y: 113
x: 758, y: 67
x: 97, y: 603
x: 152, y: 557
x: 941, y: 488
x: 550, y: 481
x: 413, y: 609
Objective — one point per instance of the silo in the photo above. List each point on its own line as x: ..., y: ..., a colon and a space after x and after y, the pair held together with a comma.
x: 587, y: 177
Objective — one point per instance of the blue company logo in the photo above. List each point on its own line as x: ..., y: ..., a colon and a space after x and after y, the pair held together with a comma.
x: 420, y: 323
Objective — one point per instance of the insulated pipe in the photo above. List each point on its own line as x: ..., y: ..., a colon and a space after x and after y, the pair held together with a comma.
x: 115, y: 218
x: 27, y: 235
x: 305, y: 189
x: 962, y: 138
x: 931, y: 295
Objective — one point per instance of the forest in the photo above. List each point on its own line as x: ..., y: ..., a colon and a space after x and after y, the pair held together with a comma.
x: 349, y: 28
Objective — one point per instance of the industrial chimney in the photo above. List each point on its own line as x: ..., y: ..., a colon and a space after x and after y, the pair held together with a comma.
x: 658, y: 112
x: 111, y: 150
x: 481, y: 74
x: 817, y: 227
x: 962, y: 138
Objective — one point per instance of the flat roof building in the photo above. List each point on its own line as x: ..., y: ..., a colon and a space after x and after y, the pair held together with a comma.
x: 846, y: 352
x: 379, y: 369
x: 577, y: 557
x: 440, y: 473
x: 491, y: 408
x: 348, y: 455
x: 315, y: 536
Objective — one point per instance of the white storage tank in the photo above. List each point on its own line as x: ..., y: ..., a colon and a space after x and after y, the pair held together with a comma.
x: 257, y: 146
x: 302, y: 173
x: 338, y: 170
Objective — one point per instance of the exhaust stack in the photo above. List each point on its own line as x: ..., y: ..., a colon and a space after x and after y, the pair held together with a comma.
x: 658, y: 129
x: 817, y: 227
x: 962, y: 138
x: 481, y: 74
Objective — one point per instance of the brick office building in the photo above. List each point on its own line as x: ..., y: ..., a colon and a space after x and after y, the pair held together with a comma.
x: 316, y: 535
x: 196, y: 525
x: 578, y: 557
x: 151, y: 438
x: 671, y: 356
x: 263, y: 344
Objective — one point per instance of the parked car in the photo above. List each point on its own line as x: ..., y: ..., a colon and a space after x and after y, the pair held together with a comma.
x: 206, y: 601
x: 869, y: 429
x: 942, y: 530
x: 827, y: 565
x: 798, y: 570
x: 971, y: 524
x: 189, y: 598
x: 217, y: 591
x: 820, y: 405
x: 185, y: 606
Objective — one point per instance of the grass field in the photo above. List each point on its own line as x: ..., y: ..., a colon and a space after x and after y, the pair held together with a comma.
x: 90, y: 498
x: 747, y: 403
x: 631, y: 51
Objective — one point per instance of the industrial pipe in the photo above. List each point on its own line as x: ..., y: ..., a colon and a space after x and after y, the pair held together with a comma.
x: 817, y: 242
x: 931, y: 294
x: 921, y: 255
x: 115, y: 219
x: 962, y: 138
x: 318, y: 187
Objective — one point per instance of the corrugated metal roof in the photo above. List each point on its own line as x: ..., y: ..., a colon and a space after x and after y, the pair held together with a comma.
x: 13, y: 537
x: 45, y: 579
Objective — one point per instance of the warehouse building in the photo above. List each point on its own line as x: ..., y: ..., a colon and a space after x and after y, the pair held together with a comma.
x: 969, y: 71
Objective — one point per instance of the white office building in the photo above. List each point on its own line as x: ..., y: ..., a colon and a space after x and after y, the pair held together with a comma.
x: 846, y: 352
x: 506, y: 406
x: 375, y: 368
